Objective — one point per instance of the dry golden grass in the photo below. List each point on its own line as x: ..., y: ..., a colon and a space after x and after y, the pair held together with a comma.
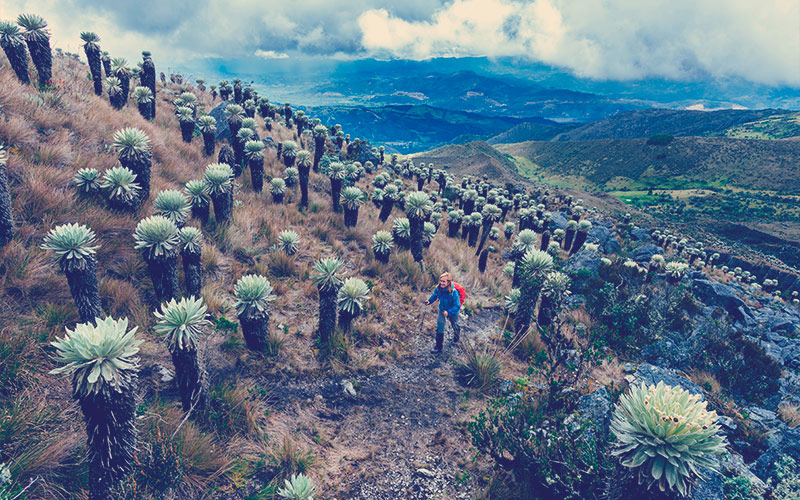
x: 707, y: 381
x: 790, y: 413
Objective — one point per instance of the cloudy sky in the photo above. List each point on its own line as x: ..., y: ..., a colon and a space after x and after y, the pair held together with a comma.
x: 757, y: 40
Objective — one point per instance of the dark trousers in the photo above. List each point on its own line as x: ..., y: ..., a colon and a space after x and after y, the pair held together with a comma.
x: 440, y: 328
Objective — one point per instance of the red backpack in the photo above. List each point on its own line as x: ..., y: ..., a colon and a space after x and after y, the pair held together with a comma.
x: 462, y: 294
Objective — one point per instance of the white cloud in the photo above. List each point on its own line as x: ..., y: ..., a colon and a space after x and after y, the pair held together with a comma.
x: 601, y: 39
x: 620, y: 39
x: 270, y: 54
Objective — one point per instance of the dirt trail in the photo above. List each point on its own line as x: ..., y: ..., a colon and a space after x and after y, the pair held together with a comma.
x: 396, y: 438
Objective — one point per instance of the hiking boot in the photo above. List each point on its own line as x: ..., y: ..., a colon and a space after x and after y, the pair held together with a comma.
x: 436, y: 350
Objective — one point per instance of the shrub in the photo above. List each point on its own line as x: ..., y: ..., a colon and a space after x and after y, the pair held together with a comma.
x: 231, y: 411
x: 281, y: 264
x: 739, y: 488
x: 742, y: 367
x: 287, y: 459
x: 524, y: 431
x: 660, y: 140
x: 786, y: 475
x: 667, y: 434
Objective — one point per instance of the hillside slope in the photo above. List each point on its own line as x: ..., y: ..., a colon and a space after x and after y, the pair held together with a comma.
x: 409, y: 128
x: 264, y: 409
x: 533, y: 130
x: 681, y: 123
x: 472, y: 158
x: 686, y: 161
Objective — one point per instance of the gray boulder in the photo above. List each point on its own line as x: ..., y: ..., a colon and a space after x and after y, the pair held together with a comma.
x: 584, y: 260
x: 602, y: 236
x: 668, y: 354
x: 709, y: 487
x: 598, y: 234
x: 596, y: 408
x: 557, y: 221
x: 650, y: 374
x: 643, y: 253
x: 641, y: 234
x: 783, y: 441
x: 223, y: 132
x: 612, y: 246
x: 713, y: 293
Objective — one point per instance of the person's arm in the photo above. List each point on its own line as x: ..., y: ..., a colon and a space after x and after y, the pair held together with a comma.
x: 434, y: 296
x: 456, y: 303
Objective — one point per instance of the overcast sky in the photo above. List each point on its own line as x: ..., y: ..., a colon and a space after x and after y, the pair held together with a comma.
x: 758, y: 40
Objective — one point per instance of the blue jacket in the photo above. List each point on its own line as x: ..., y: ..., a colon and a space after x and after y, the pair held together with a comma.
x: 447, y: 302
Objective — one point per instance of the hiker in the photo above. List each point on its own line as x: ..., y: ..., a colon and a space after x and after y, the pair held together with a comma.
x: 449, y: 305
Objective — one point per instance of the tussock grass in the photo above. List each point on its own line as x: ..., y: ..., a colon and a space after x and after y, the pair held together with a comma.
x: 478, y: 369
x: 790, y: 413
x: 287, y: 458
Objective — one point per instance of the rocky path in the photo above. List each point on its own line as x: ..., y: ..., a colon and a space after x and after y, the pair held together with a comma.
x: 393, y: 432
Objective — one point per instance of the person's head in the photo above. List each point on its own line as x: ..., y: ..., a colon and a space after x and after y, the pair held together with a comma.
x: 446, y: 281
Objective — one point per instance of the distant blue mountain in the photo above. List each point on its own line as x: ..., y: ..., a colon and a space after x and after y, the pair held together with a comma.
x: 419, y: 105
x: 300, y: 78
x: 473, y: 92
x: 409, y: 128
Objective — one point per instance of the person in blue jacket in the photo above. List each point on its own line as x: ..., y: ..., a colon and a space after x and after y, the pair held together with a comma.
x: 449, y: 306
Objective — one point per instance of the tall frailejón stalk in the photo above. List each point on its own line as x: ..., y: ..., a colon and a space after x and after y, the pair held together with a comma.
x: 183, y: 322
x: 13, y: 45
x: 158, y: 239
x: 191, y: 250
x: 6, y: 219
x: 37, y: 36
x: 148, y: 79
x: 101, y: 358
x: 328, y: 279
x: 74, y: 246
x: 134, y: 151
x: 253, y: 295
x: 92, y: 49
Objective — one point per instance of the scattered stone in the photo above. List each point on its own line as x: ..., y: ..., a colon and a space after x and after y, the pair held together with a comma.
x: 348, y: 389
x: 166, y: 374
x: 783, y: 441
x: 423, y: 472
x: 558, y: 221
x: 733, y: 465
x: 726, y: 423
x: 596, y: 407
